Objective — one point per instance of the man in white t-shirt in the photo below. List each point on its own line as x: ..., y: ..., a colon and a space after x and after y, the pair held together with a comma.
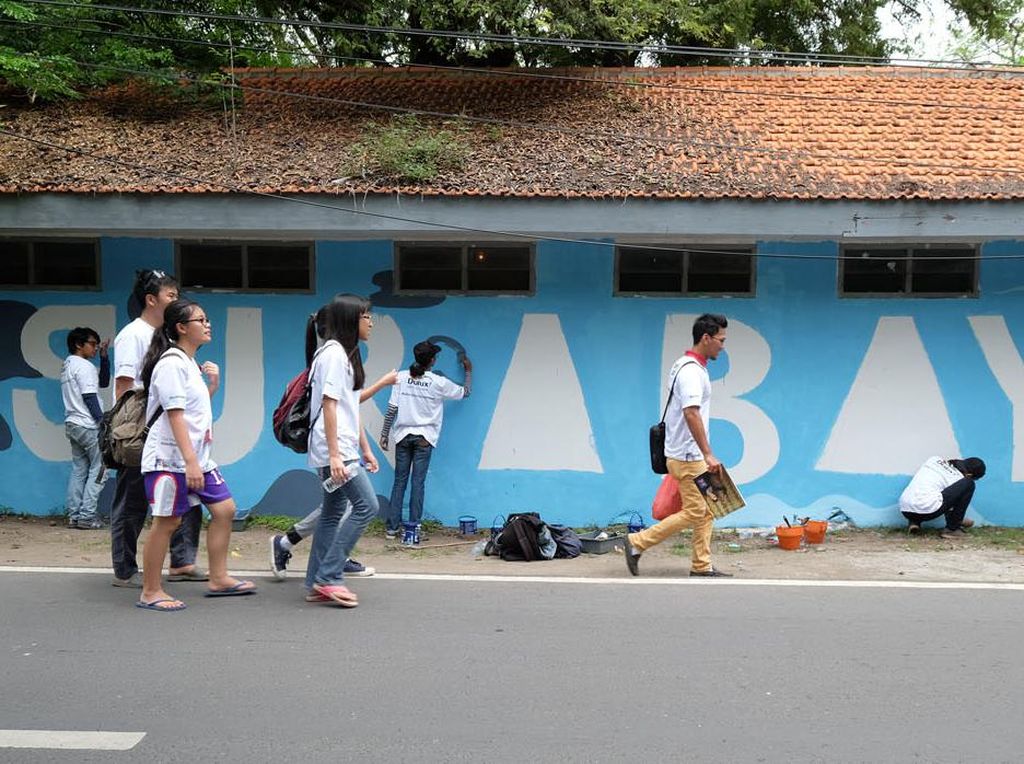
x: 688, y: 450
x: 154, y: 290
x: 942, y: 488
x: 79, y: 386
x: 415, y: 412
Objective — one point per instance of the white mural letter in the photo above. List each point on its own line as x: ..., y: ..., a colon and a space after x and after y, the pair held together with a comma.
x: 540, y: 421
x: 1003, y: 358
x: 241, y: 419
x: 44, y: 438
x: 750, y: 357
x: 894, y: 416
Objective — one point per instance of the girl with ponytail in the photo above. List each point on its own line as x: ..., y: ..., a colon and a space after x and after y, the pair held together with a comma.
x: 176, y: 466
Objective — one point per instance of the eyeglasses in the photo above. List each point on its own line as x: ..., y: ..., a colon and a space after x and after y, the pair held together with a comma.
x: 720, y: 339
x: 369, y: 317
x: 204, y: 321
x: 92, y: 342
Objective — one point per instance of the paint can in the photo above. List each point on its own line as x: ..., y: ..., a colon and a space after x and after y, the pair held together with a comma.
x: 410, y: 534
x: 467, y: 525
x: 636, y: 523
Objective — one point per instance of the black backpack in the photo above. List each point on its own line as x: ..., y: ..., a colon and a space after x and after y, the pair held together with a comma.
x: 518, y: 540
x: 567, y: 541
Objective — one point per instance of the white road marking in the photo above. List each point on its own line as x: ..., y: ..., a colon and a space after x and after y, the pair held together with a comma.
x: 687, y: 581
x: 70, y: 740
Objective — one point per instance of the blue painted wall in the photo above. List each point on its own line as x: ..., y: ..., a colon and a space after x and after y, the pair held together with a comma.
x: 817, y: 343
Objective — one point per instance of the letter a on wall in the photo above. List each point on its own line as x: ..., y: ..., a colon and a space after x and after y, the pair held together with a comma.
x: 894, y: 416
x: 540, y: 421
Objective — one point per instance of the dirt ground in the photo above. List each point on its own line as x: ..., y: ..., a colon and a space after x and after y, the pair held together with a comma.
x: 986, y: 555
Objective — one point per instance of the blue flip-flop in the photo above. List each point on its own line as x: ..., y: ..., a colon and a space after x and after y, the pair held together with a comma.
x: 233, y: 591
x: 155, y: 605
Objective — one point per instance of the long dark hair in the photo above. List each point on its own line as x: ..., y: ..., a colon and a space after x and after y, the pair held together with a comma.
x: 177, y: 312
x: 340, y: 319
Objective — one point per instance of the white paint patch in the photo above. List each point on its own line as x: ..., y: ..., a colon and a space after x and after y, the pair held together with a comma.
x: 750, y: 358
x: 70, y: 740
x: 241, y: 419
x: 894, y: 416
x: 578, y: 580
x: 540, y: 421
x: 45, y: 439
x: 386, y: 349
x: 1004, y: 359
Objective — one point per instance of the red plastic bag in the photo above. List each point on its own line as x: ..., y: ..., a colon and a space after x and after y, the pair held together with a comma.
x: 667, y: 500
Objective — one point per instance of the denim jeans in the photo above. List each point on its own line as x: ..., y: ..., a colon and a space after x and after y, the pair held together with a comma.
x: 83, y: 490
x: 127, y: 517
x: 336, y: 535
x: 412, y: 452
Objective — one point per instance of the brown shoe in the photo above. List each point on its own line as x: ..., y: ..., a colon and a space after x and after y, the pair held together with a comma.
x: 967, y: 523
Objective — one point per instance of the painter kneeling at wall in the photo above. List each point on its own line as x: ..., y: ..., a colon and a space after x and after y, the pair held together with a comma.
x: 942, y: 488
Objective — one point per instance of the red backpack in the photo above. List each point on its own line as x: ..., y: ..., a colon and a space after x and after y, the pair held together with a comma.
x: 291, y: 417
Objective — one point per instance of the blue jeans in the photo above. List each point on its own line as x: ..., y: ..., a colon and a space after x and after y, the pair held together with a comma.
x: 83, y: 490
x: 333, y: 539
x: 413, y: 452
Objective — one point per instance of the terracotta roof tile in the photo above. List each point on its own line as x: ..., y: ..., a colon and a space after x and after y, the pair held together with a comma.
x: 779, y: 133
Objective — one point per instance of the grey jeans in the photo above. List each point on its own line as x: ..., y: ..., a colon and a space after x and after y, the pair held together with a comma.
x: 83, y: 490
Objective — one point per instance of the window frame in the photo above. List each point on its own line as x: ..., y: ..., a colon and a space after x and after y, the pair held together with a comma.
x: 686, y: 249
x: 309, y: 245
x: 464, y: 250
x: 94, y: 242
x: 972, y: 251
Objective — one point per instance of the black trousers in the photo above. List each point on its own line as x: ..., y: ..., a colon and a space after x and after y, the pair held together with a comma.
x: 955, y: 500
x: 127, y: 518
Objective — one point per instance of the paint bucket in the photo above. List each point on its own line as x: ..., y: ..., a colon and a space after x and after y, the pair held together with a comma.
x: 497, y: 524
x: 814, y: 531
x: 410, y: 533
x: 636, y: 523
x: 467, y: 525
x: 789, y: 538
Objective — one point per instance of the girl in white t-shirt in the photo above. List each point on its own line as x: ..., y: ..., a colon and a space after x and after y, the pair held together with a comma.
x: 336, y: 442
x: 177, y: 469
x: 414, y: 416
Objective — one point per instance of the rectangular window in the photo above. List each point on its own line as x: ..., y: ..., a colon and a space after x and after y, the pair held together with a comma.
x: 464, y: 268
x: 661, y: 269
x: 245, y: 266
x: 49, y: 264
x: 935, y: 271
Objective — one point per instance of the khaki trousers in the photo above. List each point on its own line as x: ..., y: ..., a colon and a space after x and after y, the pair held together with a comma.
x: 694, y: 514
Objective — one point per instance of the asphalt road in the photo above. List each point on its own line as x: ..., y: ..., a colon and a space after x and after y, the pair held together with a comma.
x: 518, y: 671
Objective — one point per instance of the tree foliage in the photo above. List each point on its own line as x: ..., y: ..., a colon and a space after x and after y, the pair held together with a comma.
x: 52, y: 52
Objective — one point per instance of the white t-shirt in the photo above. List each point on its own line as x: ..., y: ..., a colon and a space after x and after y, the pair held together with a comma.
x: 924, y: 494
x: 332, y: 377
x: 419, y: 401
x: 78, y: 377
x: 177, y: 383
x: 692, y: 388
x: 130, y: 348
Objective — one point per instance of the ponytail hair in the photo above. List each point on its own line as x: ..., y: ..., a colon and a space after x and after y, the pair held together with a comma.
x: 425, y: 352
x: 166, y: 336
x: 341, y: 323
x: 314, y: 333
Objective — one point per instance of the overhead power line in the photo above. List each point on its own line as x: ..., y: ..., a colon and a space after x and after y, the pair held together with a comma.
x: 676, y: 143
x: 631, y: 83
x: 603, y: 45
x: 235, y: 188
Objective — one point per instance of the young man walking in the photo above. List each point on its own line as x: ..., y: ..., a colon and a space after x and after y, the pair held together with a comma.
x: 79, y: 386
x: 154, y: 290
x: 688, y: 450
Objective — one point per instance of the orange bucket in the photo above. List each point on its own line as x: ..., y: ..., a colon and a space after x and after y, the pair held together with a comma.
x: 789, y: 538
x: 814, y: 531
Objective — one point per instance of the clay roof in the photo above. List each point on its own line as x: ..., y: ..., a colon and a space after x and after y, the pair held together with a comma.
x: 759, y: 133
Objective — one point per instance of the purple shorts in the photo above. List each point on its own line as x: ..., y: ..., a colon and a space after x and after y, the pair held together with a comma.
x: 169, y: 496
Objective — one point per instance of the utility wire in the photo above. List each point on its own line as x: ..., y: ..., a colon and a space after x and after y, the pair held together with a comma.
x: 674, y: 143
x: 604, y: 45
x: 148, y: 169
x: 528, y: 74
